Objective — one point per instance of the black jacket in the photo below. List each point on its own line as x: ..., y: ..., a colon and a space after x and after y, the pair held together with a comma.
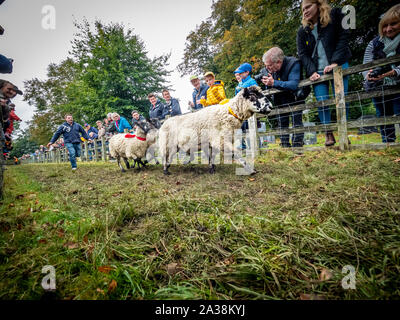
x: 334, y: 39
x: 287, y: 97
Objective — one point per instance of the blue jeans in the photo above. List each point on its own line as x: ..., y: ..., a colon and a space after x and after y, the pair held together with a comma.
x: 321, y: 92
x: 387, y: 106
x: 297, y: 121
x: 74, y: 150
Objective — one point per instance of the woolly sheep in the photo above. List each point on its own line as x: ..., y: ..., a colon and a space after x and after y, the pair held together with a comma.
x: 135, y: 147
x: 208, y: 127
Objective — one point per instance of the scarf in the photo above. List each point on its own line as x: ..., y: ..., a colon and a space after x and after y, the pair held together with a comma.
x: 390, y: 50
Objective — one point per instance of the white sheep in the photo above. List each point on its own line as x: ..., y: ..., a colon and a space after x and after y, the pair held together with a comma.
x: 134, y: 146
x: 207, y: 128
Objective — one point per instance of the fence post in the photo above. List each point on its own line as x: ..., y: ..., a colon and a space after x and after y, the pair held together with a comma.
x: 96, y: 151
x: 340, y: 108
x: 253, y: 135
x: 86, y: 151
x: 103, y: 149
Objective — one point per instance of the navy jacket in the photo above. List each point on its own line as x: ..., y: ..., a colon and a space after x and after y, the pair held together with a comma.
x: 134, y: 121
x: 172, y: 108
x: 70, y: 133
x: 196, y: 95
x: 157, y: 111
x: 95, y: 131
x: 334, y: 39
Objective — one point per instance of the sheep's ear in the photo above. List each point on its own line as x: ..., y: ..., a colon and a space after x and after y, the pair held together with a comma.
x: 246, y: 93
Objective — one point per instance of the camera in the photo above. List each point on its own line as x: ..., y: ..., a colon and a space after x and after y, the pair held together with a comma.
x: 263, y: 73
x: 379, y: 71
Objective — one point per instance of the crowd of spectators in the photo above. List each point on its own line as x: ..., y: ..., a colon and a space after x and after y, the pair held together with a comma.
x: 322, y: 44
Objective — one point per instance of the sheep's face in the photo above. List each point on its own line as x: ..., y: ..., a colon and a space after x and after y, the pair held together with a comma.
x: 259, y: 102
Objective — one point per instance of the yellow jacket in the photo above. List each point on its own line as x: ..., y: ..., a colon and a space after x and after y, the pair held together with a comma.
x: 215, y: 95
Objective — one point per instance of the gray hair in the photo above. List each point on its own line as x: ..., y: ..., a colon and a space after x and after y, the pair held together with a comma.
x: 275, y: 54
x: 109, y: 115
x: 115, y: 115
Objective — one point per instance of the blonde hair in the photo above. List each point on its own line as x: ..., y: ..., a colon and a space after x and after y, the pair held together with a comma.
x: 324, y: 13
x: 393, y: 14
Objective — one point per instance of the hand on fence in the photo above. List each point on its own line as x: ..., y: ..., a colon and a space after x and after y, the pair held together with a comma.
x: 330, y: 68
x: 315, y: 76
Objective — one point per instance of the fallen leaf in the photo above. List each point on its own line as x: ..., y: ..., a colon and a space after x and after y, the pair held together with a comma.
x: 325, y: 275
x: 11, y: 205
x: 178, y: 183
x: 252, y: 179
x: 85, y: 239
x: 105, y: 269
x: 19, y: 226
x: 100, y: 290
x: 42, y: 241
x: 397, y: 160
x: 70, y: 245
x: 112, y: 286
x: 312, y: 296
x: 60, y: 233
x: 172, y: 268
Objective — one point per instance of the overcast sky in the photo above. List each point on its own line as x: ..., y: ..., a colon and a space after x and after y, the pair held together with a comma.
x: 162, y: 24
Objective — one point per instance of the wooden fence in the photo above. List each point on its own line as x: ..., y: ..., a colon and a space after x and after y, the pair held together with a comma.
x: 98, y: 150
x: 340, y: 101
x: 93, y: 151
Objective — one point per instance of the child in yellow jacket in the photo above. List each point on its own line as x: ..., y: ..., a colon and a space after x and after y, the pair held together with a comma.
x: 215, y: 92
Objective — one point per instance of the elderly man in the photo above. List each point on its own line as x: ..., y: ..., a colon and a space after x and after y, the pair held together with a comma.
x: 171, y: 106
x: 284, y: 73
x: 200, y: 90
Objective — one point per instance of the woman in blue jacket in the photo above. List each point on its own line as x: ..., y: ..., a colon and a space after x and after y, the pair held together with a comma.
x: 120, y: 123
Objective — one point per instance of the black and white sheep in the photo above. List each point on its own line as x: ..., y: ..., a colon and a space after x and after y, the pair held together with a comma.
x: 127, y: 146
x: 206, y: 129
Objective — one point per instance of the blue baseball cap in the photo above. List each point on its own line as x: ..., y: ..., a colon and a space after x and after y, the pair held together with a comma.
x: 243, y: 68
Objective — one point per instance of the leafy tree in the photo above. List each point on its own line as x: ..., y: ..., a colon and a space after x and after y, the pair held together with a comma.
x: 23, y: 144
x: 108, y: 70
x: 242, y: 30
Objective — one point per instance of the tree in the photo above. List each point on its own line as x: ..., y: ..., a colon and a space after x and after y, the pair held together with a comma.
x: 23, y: 144
x: 242, y: 30
x: 108, y: 70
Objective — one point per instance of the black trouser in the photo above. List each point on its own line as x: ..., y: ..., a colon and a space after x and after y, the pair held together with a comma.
x: 297, y: 121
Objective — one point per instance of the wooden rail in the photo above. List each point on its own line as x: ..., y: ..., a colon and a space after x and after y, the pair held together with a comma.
x: 339, y: 101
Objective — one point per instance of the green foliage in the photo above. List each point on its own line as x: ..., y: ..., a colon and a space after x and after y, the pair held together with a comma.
x: 108, y: 70
x: 23, y: 144
x: 195, y: 236
x: 241, y: 31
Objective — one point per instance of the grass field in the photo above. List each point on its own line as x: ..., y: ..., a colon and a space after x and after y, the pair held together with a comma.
x: 284, y: 233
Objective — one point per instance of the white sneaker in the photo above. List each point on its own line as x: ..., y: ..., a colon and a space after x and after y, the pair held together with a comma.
x: 73, y: 169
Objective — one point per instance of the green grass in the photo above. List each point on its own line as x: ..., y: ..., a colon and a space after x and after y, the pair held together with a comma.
x: 192, y: 235
x: 354, y: 138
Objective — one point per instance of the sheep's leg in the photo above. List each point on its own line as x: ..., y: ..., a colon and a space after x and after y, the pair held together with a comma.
x: 119, y: 164
x: 246, y: 167
x: 191, y: 154
x: 127, y: 163
x: 211, y: 160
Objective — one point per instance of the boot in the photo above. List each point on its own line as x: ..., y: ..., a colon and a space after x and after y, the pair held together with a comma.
x: 330, y: 139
